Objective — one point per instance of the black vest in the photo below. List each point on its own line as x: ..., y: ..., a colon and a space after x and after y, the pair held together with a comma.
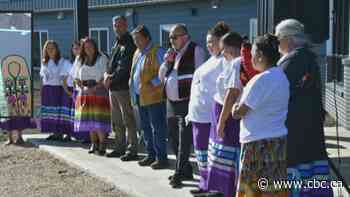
x: 185, y: 71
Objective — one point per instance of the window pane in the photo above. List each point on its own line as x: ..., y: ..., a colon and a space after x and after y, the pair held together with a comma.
x: 165, y: 39
x: 104, y: 41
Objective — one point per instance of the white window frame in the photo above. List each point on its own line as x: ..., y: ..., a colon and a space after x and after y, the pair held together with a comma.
x: 253, y: 29
x: 41, y: 44
x: 165, y: 27
x: 98, y: 41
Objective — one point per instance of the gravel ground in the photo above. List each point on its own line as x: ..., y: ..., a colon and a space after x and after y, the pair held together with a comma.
x: 29, y: 172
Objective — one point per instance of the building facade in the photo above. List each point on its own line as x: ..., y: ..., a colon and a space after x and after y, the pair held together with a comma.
x: 54, y: 19
x: 336, y: 73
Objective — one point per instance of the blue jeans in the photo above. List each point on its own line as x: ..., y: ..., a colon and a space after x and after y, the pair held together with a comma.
x: 153, y: 124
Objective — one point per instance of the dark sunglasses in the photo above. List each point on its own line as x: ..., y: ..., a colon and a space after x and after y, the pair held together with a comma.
x: 175, y: 37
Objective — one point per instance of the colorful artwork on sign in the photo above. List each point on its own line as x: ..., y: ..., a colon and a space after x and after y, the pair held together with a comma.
x: 16, y: 87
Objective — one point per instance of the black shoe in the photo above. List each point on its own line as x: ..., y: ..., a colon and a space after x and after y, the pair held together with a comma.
x: 183, y: 177
x: 175, y: 182
x: 147, y: 161
x: 102, y: 149
x: 66, y: 138
x: 20, y: 141
x: 160, y: 164
x: 115, y: 154
x: 197, y: 191
x: 129, y: 157
x: 101, y: 152
x: 54, y: 137
x: 93, y: 148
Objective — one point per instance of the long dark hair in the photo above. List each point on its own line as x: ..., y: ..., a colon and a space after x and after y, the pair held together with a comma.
x: 83, y: 56
x: 268, y: 45
x: 46, y: 57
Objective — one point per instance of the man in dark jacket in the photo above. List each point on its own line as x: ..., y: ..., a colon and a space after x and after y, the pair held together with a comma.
x: 116, y: 80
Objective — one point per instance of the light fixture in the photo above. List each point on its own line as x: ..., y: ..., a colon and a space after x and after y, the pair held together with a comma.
x: 215, y: 4
x: 60, y: 16
x: 129, y: 12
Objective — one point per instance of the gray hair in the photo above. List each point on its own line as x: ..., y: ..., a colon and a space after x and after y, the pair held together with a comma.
x: 115, y: 18
x: 293, y: 30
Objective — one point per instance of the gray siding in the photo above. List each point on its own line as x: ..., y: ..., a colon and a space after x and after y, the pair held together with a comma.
x: 47, y: 5
x: 59, y: 30
x: 235, y: 13
x: 342, y: 94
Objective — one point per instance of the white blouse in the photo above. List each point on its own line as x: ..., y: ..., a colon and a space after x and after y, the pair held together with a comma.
x: 202, y: 90
x: 228, y: 78
x: 94, y: 72
x: 267, y: 95
x: 66, y: 73
x: 73, y: 72
x: 51, y: 73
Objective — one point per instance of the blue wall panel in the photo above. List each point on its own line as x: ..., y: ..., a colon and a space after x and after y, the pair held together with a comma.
x: 60, y: 30
x: 236, y: 13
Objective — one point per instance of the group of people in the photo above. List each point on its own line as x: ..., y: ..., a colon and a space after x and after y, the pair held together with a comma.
x: 251, y: 111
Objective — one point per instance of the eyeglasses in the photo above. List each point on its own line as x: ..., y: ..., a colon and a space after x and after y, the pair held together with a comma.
x: 175, y: 37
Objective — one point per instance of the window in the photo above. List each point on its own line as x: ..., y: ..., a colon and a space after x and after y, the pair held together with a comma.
x: 253, y: 29
x: 101, y: 37
x: 39, y: 39
x: 164, y: 35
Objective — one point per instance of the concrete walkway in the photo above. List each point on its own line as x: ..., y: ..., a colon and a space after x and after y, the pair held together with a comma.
x: 129, y: 177
x: 344, y: 154
x: 145, y: 182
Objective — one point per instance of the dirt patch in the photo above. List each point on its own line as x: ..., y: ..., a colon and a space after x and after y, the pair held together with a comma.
x: 28, y: 172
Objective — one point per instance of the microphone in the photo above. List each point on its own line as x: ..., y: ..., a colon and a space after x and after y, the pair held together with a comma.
x: 170, y: 55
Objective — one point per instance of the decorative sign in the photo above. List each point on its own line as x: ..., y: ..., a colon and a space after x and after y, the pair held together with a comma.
x: 16, y: 87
